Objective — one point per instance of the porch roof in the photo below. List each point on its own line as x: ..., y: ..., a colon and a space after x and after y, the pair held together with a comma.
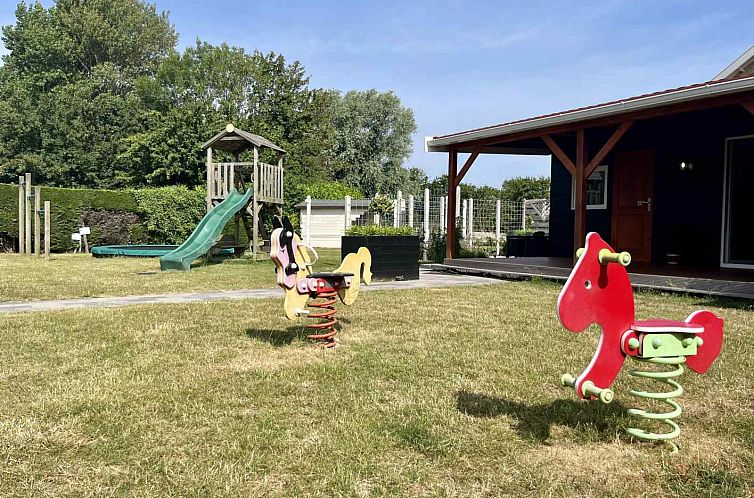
x: 586, y: 116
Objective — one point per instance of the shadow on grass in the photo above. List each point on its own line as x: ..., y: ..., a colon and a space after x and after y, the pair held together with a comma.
x: 279, y: 337
x: 535, y: 421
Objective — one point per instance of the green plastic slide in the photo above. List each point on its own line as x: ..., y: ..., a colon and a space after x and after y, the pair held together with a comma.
x: 206, y: 233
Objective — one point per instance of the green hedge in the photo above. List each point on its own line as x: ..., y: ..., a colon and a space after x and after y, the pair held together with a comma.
x: 68, y: 209
x: 380, y: 230
x: 147, y: 216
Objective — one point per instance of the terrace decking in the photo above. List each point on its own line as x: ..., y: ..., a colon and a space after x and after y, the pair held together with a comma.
x: 705, y: 281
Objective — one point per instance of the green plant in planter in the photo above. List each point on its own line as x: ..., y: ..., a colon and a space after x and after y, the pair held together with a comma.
x: 364, y: 230
x: 382, y: 205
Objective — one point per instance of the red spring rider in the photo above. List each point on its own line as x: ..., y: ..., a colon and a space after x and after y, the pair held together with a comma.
x: 599, y: 291
x: 317, y: 291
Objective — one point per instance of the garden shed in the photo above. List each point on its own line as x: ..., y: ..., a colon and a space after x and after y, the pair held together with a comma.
x: 327, y: 222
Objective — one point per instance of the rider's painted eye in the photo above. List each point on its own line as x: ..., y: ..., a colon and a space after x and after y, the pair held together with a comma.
x: 588, y: 284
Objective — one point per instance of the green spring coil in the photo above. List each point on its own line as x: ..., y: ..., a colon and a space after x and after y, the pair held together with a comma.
x: 665, y: 376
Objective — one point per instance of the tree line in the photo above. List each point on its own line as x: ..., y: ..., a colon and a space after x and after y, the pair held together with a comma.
x: 94, y: 93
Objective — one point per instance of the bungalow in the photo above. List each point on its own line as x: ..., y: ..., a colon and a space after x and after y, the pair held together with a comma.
x: 667, y: 176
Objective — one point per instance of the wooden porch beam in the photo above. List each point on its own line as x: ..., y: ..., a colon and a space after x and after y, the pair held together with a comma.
x: 605, y: 150
x: 450, y: 205
x: 467, y: 166
x: 558, y: 152
x: 579, y: 218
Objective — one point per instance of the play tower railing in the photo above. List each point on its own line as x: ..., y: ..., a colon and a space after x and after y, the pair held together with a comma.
x: 268, y: 179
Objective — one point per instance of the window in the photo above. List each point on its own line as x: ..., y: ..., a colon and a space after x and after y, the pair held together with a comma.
x: 596, y: 189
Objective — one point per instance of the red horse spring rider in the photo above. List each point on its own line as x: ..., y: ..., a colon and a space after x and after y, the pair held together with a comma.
x: 599, y: 291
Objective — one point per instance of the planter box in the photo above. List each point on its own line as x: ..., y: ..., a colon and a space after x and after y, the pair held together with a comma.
x: 393, y: 257
x: 526, y: 245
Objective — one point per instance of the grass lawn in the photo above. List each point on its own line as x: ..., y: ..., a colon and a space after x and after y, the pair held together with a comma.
x: 25, y: 278
x: 442, y: 392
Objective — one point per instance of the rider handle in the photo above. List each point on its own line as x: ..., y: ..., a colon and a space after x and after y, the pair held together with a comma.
x: 606, y: 256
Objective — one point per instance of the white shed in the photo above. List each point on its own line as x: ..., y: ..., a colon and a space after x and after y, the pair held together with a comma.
x: 328, y: 220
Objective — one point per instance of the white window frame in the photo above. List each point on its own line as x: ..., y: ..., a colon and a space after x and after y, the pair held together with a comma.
x: 600, y: 168
x: 726, y: 211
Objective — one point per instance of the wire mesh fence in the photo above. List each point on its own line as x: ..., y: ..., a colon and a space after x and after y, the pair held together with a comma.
x: 483, y: 225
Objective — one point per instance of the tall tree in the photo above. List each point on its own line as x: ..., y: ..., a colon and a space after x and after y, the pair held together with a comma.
x: 66, y: 86
x: 372, y: 140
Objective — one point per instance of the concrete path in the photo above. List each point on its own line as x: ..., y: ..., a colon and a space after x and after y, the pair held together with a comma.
x: 428, y: 279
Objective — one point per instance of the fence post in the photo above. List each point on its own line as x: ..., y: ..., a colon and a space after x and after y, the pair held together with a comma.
x: 523, y: 214
x: 47, y: 229
x: 347, y: 220
x: 471, y: 222
x: 497, y: 227
x: 442, y: 214
x: 21, y: 214
x: 426, y: 221
x: 458, y: 201
x: 27, y: 212
x: 37, y: 220
x: 465, y: 216
x: 398, y: 210
x: 309, y: 220
x: 411, y: 211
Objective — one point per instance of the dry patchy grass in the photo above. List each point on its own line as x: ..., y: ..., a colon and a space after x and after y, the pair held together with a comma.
x: 64, y: 276
x: 430, y: 394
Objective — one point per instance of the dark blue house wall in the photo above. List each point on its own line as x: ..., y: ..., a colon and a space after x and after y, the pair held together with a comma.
x: 687, y: 205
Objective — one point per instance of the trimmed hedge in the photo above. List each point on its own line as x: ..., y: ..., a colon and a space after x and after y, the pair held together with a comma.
x: 68, y: 206
x: 148, y: 216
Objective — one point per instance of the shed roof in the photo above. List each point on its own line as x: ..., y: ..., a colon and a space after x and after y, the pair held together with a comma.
x: 233, y: 139
x: 340, y: 203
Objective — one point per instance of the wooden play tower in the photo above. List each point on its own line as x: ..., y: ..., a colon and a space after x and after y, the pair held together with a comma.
x: 265, y: 179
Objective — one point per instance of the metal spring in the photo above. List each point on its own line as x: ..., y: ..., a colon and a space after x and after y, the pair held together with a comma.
x: 666, y: 377
x: 326, y: 328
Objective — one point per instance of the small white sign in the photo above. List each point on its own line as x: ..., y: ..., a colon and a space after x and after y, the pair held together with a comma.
x: 85, y: 230
x: 76, y: 236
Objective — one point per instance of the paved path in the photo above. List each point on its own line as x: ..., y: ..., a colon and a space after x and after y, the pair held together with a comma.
x: 429, y: 278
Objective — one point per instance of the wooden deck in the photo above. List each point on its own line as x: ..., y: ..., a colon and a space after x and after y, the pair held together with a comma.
x: 705, y: 281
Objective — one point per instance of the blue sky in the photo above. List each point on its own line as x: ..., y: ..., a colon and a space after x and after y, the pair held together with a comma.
x: 461, y: 65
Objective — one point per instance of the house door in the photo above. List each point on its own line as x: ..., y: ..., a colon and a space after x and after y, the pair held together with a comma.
x: 632, y: 203
x: 738, y: 239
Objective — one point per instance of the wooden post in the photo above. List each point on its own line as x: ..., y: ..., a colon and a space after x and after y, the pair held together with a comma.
x: 255, y: 210
x: 347, y: 213
x: 27, y: 213
x: 497, y: 227
x: 411, y: 211
x: 37, y: 221
x: 210, y: 179
x: 47, y: 229
x: 450, y: 250
x: 21, y: 215
x: 426, y: 221
x: 579, y: 219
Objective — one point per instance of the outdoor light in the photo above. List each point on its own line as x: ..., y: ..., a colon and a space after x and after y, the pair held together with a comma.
x: 687, y: 166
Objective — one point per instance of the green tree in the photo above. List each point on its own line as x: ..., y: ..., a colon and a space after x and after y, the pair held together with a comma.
x: 526, y: 187
x: 66, y: 87
x: 372, y: 140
